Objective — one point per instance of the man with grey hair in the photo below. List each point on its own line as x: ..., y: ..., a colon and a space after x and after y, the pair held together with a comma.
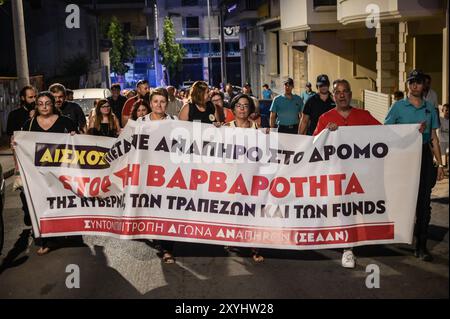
x: 174, y: 104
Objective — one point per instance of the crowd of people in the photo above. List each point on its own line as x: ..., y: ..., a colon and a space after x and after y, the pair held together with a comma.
x: 305, y: 114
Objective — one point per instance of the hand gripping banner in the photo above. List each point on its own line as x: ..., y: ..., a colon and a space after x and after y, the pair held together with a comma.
x: 192, y: 182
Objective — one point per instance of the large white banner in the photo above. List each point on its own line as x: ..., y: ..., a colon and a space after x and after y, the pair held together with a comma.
x: 193, y: 182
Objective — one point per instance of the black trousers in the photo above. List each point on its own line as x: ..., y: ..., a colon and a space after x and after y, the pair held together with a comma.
x: 26, y: 212
x: 289, y: 129
x: 428, y: 176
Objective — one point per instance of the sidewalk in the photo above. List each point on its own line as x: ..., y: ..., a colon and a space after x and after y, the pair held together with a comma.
x: 6, y: 157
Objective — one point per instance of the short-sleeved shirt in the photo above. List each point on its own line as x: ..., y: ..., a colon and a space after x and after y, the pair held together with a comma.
x: 62, y: 125
x: 287, y: 110
x: 267, y: 94
x: 403, y: 112
x: 314, y: 108
x: 307, y: 95
x: 74, y: 111
x: 16, y: 119
x: 355, y: 118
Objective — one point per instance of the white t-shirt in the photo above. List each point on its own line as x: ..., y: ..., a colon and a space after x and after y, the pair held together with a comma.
x: 148, y: 118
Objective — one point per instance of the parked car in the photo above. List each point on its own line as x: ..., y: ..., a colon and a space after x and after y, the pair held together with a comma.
x: 87, y: 97
x: 2, y: 202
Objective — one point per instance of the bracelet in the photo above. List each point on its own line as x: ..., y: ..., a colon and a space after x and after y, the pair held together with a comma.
x: 441, y: 166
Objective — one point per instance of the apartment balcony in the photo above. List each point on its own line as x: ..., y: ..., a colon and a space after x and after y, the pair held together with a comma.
x: 357, y: 11
x: 308, y: 15
x: 241, y: 12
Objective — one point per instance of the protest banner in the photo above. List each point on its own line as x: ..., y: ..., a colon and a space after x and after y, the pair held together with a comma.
x: 192, y: 182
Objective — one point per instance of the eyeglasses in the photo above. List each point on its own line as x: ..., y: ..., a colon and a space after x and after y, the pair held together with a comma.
x: 105, y: 105
x: 242, y: 106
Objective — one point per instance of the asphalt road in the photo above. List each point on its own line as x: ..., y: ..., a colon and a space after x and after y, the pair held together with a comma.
x: 111, y: 268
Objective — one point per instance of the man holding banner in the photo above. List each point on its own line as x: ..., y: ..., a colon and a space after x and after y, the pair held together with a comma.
x: 344, y: 115
x: 414, y: 109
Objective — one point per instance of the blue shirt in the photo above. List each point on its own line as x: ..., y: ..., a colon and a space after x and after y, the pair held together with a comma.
x: 403, y: 112
x: 267, y: 94
x: 305, y: 96
x: 287, y: 110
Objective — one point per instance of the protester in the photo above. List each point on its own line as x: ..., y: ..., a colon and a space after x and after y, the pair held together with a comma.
x: 142, y: 88
x: 199, y: 108
x: 229, y: 93
x: 174, y: 106
x: 225, y: 114
x: 70, y: 109
x: 317, y: 105
x: 16, y: 119
x: 47, y: 118
x: 104, y: 122
x: 415, y: 110
x: 117, y: 101
x: 242, y: 106
x: 443, y: 134
x: 159, y: 99
x: 130, y: 94
x: 429, y: 94
x: 141, y: 108
x: 344, y: 115
x: 69, y: 95
x: 267, y: 92
x: 398, y: 95
x: 247, y: 90
x: 286, y: 110
x: 307, y: 93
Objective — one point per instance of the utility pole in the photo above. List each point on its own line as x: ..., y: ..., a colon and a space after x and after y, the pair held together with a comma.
x: 20, y: 43
x: 223, y: 48
x: 209, y: 43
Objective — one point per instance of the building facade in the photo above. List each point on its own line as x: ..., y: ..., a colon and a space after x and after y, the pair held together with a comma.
x: 373, y: 44
x: 199, y: 34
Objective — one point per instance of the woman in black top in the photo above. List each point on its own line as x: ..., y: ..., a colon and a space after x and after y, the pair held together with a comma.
x: 48, y: 119
x: 104, y: 122
x: 199, y: 108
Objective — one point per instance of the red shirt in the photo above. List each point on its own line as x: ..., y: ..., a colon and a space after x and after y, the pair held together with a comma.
x: 356, y: 117
x: 128, y: 106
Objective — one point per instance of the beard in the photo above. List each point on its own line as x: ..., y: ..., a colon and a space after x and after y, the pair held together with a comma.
x: 29, y: 106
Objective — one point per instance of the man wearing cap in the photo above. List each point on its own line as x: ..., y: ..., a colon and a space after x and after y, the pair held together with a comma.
x: 317, y: 105
x: 286, y: 110
x: 415, y: 110
x: 307, y: 93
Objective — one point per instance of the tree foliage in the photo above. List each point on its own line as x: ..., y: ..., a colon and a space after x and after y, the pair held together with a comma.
x: 171, y: 52
x: 122, y: 51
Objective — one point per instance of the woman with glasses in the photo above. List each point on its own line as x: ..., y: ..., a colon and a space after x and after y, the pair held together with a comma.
x: 48, y: 119
x: 104, y: 122
x: 242, y: 106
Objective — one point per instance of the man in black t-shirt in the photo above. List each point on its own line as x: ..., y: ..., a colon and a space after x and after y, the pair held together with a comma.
x: 317, y: 105
x: 70, y: 109
x: 16, y: 120
x: 117, y: 101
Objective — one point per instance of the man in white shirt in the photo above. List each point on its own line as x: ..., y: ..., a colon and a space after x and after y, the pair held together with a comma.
x: 174, y: 106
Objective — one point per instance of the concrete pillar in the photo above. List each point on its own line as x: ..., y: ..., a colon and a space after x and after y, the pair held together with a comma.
x: 402, y: 55
x: 387, y: 58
